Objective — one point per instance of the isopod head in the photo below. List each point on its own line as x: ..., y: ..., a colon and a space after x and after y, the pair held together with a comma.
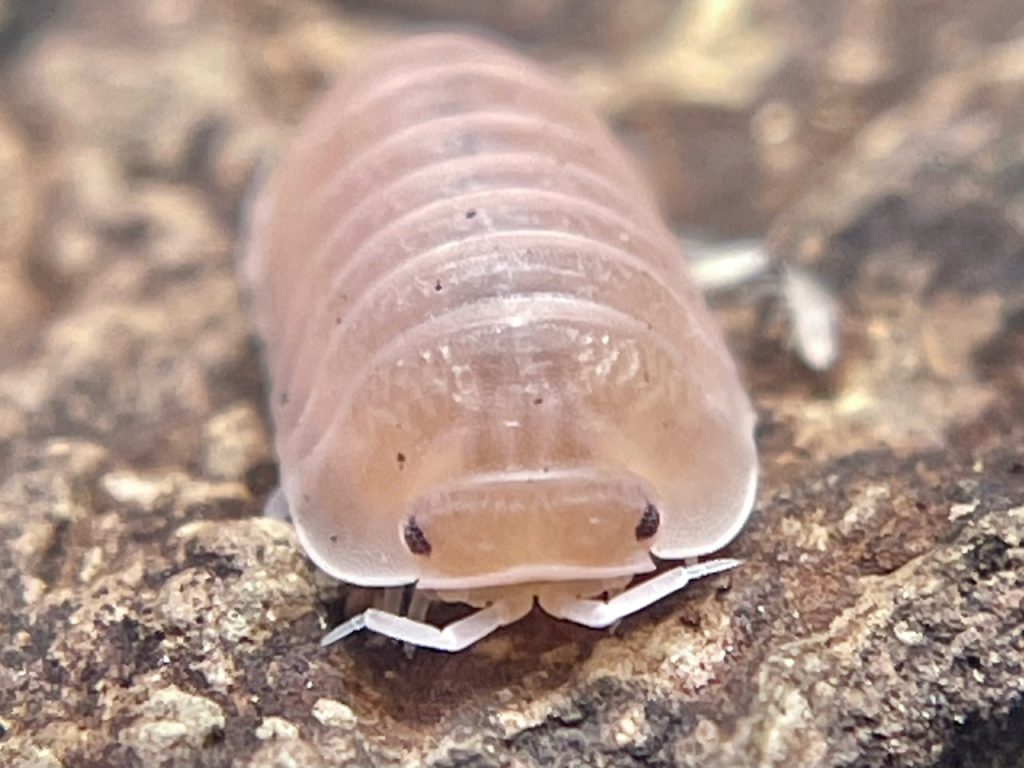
x: 510, y: 495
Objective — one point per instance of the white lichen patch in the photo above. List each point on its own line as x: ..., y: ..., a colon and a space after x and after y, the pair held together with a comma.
x: 289, y: 753
x: 707, y: 738
x: 789, y: 731
x: 630, y: 728
x: 218, y: 668
x: 276, y: 728
x: 863, y: 509
x: 36, y: 536
x: 248, y: 578
x: 519, y: 714
x: 151, y: 491
x: 144, y: 491
x: 679, y: 656
x: 908, y: 636
x: 34, y: 756
x: 92, y: 565
x: 806, y: 534
x: 172, y: 723
x: 956, y: 511
x: 234, y: 440
x: 334, y: 714
x: 202, y: 491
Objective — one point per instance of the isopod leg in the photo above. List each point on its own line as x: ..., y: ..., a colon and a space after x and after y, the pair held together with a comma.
x: 419, y: 605
x: 456, y: 636
x: 813, y: 315
x: 389, y: 600
x: 726, y: 265
x: 600, y: 613
x: 810, y: 309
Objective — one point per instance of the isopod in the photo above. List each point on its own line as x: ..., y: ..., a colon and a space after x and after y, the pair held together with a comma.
x: 491, y: 376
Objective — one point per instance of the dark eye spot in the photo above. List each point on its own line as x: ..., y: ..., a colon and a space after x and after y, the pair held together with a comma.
x: 470, y: 213
x: 414, y: 538
x: 401, y: 460
x: 438, y: 286
x: 649, y: 522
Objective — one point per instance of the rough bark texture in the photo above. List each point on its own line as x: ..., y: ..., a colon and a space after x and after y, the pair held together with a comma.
x: 150, y: 617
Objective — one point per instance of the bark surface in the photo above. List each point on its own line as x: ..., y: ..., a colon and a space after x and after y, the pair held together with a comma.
x: 150, y: 617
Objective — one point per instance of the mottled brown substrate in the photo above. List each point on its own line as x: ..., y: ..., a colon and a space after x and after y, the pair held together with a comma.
x: 149, y: 617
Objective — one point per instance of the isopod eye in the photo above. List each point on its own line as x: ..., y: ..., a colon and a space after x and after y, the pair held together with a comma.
x: 415, y: 540
x: 649, y: 522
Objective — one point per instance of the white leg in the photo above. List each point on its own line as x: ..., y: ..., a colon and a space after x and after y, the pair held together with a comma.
x: 419, y: 604
x: 811, y: 311
x: 722, y: 266
x: 599, y: 613
x: 456, y: 636
x: 276, y: 506
x: 813, y: 315
x: 389, y: 600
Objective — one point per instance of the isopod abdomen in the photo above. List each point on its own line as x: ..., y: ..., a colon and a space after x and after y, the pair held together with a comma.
x: 490, y: 372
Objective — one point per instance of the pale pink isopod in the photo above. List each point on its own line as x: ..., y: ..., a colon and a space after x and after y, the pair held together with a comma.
x: 491, y: 375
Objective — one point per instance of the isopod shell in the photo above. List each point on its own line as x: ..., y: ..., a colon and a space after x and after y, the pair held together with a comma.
x: 488, y: 365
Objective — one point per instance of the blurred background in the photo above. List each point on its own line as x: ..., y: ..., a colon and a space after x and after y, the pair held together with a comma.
x: 134, y: 128
x: 118, y: 113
